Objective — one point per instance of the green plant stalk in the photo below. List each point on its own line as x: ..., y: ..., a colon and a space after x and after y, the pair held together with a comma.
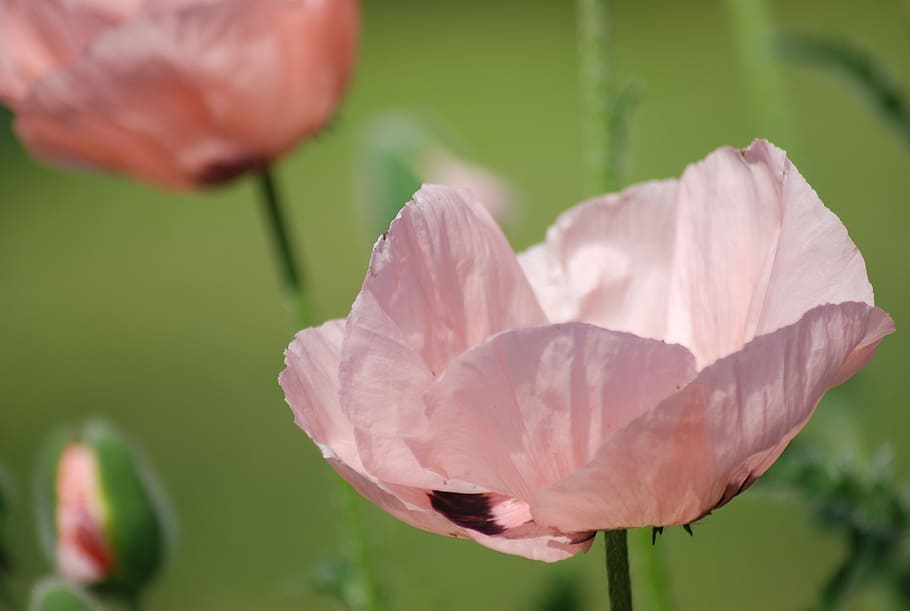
x: 755, y: 34
x: 304, y: 315
x: 860, y: 67
x: 650, y: 567
x: 620, y: 584
x: 292, y: 275
x: 596, y: 95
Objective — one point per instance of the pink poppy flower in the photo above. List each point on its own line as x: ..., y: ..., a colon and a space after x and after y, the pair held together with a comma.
x: 174, y: 92
x: 641, y: 367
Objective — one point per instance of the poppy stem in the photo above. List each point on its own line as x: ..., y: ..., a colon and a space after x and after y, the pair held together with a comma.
x: 292, y: 274
x: 618, y: 580
x: 596, y: 89
x: 754, y: 31
x: 304, y: 315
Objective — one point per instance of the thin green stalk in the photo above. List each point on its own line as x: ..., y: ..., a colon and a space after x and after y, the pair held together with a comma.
x: 291, y: 273
x: 304, y: 315
x: 369, y: 591
x: 755, y: 34
x: 620, y: 584
x: 596, y: 90
x: 650, y: 567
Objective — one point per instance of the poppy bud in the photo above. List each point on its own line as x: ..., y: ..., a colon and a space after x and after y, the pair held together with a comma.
x: 55, y: 595
x: 100, y: 519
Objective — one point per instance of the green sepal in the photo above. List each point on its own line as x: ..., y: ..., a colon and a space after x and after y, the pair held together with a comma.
x: 53, y: 594
x: 134, y: 528
x: 46, y: 489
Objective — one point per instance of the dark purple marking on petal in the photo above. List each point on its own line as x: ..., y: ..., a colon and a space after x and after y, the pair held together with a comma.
x: 473, y: 511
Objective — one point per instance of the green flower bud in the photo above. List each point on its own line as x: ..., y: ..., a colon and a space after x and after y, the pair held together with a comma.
x: 55, y: 595
x: 101, y: 520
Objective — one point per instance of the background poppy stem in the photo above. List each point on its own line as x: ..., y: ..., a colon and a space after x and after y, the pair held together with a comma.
x: 304, y: 315
x: 596, y: 88
x: 291, y: 273
x: 754, y: 32
x: 618, y: 579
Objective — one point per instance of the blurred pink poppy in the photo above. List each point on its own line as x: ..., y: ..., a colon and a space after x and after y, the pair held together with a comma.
x: 174, y: 92
x: 641, y: 367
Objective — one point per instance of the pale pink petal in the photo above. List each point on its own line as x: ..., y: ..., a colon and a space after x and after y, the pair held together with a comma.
x: 705, y: 444
x: 546, y: 548
x: 608, y: 260
x: 310, y: 383
x: 441, y: 280
x: 531, y: 406
x: 196, y: 94
x: 755, y: 249
x: 440, y: 166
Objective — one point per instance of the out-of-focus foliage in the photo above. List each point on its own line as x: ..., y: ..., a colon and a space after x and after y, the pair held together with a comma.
x: 55, y: 595
x: 866, y: 73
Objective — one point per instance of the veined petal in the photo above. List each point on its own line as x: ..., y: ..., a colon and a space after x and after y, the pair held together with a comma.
x: 607, y: 261
x: 531, y: 406
x: 711, y: 440
x: 38, y: 37
x: 197, y: 94
x: 442, y: 280
x: 310, y: 383
x: 755, y: 249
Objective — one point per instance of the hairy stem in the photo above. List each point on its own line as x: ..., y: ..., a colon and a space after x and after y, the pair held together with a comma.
x: 596, y: 94
x: 618, y: 579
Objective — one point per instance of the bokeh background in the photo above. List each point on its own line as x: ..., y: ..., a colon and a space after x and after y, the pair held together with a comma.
x: 163, y: 312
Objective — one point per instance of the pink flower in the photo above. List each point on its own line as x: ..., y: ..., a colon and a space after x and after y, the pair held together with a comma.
x: 174, y: 92
x: 642, y: 366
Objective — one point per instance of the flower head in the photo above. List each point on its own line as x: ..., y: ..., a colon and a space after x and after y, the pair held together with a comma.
x: 641, y: 367
x: 174, y: 92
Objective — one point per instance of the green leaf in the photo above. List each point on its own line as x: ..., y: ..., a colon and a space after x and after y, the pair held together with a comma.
x: 862, y: 70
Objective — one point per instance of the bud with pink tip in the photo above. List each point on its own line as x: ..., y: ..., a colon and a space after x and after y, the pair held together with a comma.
x: 100, y: 517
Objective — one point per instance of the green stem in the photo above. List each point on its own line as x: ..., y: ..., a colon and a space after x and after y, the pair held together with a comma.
x: 291, y: 274
x: 755, y: 34
x: 620, y: 584
x: 304, y: 315
x: 596, y: 89
x: 650, y: 565
x: 360, y: 550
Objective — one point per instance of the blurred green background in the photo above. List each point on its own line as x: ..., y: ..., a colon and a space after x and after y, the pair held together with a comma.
x: 163, y: 312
